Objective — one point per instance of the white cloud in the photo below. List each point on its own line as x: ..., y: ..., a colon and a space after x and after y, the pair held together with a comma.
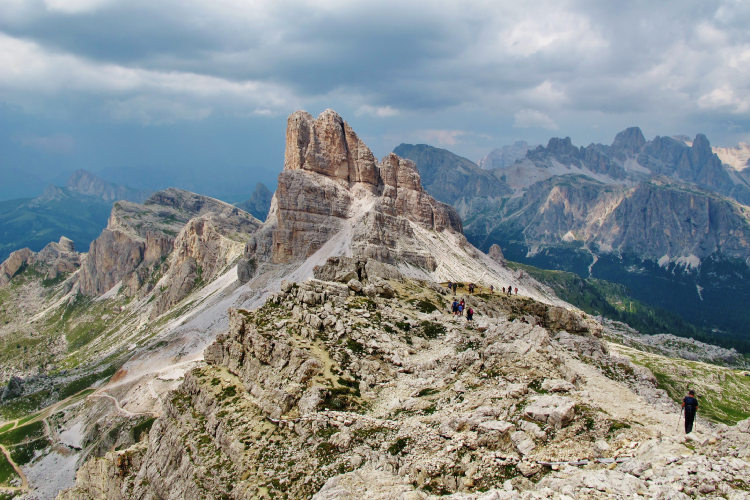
x: 144, y: 95
x: 376, y: 111
x: 441, y: 137
x: 546, y: 93
x: 531, y: 118
x: 75, y: 6
x: 725, y: 98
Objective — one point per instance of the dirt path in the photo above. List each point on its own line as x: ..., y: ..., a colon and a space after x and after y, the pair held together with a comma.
x: 120, y: 408
x: 629, y: 405
x: 24, y: 482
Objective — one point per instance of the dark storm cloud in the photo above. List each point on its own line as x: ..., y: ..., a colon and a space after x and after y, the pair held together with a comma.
x: 586, y: 68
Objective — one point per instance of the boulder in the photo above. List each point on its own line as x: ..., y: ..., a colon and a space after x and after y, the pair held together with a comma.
x: 556, y: 411
x: 523, y: 443
x: 496, y: 253
x: 340, y: 269
x: 743, y: 425
x: 557, y: 385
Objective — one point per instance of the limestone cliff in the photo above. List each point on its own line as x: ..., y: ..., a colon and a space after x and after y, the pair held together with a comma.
x: 331, y: 179
x: 139, y: 238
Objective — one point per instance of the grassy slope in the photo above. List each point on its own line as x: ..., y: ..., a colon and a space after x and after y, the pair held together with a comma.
x: 723, y: 393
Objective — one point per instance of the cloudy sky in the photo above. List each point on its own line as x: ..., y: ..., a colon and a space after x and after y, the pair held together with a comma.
x: 196, y: 92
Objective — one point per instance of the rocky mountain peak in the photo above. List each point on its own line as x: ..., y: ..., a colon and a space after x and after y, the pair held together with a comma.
x: 332, y: 184
x: 701, y: 149
x: 328, y: 145
x: 563, y: 146
x: 86, y: 183
x: 629, y: 140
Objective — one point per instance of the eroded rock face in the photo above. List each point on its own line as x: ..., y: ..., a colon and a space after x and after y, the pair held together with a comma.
x: 330, y: 179
x: 13, y: 264
x: 496, y: 253
x: 175, y: 232
x: 59, y: 257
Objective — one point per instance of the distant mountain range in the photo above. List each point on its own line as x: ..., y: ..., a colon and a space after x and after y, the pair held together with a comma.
x: 259, y: 202
x: 78, y: 211
x: 665, y: 217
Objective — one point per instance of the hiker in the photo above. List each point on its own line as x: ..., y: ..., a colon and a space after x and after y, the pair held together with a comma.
x: 455, y: 286
x: 503, y: 290
x: 461, y: 307
x: 516, y: 290
x: 690, y: 404
x: 492, y: 289
x: 510, y: 290
x: 455, y: 307
x: 450, y: 286
x: 469, y: 314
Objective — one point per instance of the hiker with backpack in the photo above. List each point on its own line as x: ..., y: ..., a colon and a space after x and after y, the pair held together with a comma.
x: 469, y: 314
x: 690, y: 405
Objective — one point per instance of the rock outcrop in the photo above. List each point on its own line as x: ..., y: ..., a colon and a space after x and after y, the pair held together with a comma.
x: 55, y: 259
x: 59, y: 258
x: 327, y: 393
x: 139, y: 238
x: 14, y: 263
x: 332, y: 180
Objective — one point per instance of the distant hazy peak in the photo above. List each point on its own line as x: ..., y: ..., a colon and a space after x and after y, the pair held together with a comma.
x: 86, y: 183
x: 631, y: 140
x: 737, y: 157
x: 505, y: 156
x: 259, y: 202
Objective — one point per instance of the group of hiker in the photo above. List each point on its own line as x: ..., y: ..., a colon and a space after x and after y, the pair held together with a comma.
x: 458, y: 309
x: 453, y: 287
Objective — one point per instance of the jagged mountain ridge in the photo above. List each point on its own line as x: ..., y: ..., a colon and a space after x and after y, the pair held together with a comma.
x: 641, y: 213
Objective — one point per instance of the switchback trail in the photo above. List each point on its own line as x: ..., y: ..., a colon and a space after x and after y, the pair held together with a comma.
x: 24, y: 482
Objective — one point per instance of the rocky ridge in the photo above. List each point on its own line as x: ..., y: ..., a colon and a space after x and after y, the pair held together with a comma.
x: 153, y: 290
x: 183, y: 236
x: 331, y: 184
x: 55, y: 259
x: 330, y: 392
